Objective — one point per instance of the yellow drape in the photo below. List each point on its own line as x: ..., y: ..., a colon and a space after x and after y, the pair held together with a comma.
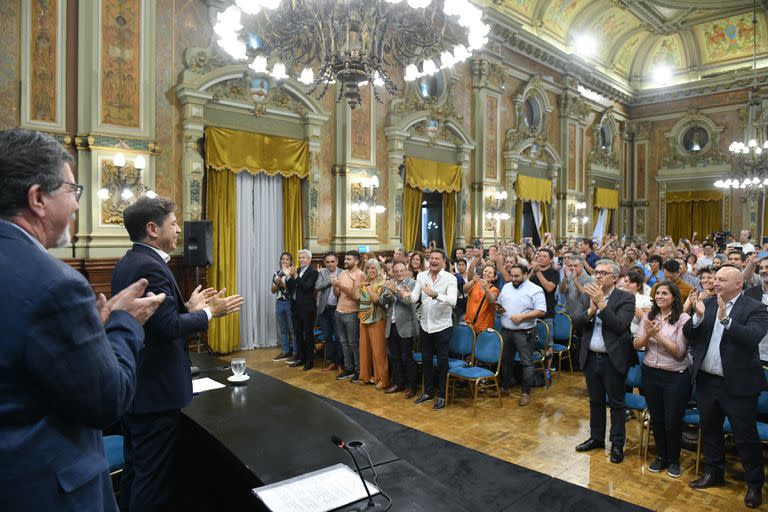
x: 293, y: 233
x: 519, y: 221
x: 239, y: 151
x: 529, y: 188
x: 679, y: 220
x: 223, y: 333
x: 449, y: 221
x: 694, y: 210
x: 411, y: 216
x: 434, y: 176
x: 707, y: 218
x: 544, y: 208
x: 694, y: 195
x: 606, y: 198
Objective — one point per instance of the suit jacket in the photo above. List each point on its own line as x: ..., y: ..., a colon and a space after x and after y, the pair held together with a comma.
x: 164, y: 382
x: 739, y: 352
x: 616, y: 318
x: 755, y: 292
x: 304, y: 288
x: 324, y: 288
x: 407, y: 323
x: 63, y: 378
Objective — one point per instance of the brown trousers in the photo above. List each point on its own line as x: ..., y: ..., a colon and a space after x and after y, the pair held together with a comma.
x: 373, y: 353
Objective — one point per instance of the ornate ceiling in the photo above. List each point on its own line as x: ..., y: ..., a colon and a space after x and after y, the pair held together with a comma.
x: 697, y: 39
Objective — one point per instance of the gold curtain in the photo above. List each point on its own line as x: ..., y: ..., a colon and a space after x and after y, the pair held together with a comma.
x: 694, y: 195
x: 292, y: 216
x: 239, y: 151
x: 411, y: 216
x: 223, y: 333
x: 544, y: 208
x: 519, y: 221
x: 529, y: 188
x: 707, y: 218
x: 679, y: 220
x: 694, y: 210
x: 606, y: 198
x: 430, y: 175
x: 449, y: 221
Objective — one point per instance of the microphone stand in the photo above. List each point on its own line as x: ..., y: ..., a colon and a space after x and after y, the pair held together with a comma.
x: 341, y: 444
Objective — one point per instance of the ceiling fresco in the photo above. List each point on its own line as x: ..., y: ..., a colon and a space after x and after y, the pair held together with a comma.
x: 695, y: 39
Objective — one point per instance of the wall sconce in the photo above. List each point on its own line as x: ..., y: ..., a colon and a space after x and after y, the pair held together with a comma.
x: 364, y: 198
x: 579, y: 219
x: 496, y: 206
x: 124, y: 183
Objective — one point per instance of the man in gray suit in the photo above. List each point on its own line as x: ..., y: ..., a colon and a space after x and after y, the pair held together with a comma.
x: 326, y: 312
x: 402, y: 326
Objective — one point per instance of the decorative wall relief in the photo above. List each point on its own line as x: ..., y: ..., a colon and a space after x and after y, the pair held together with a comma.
x: 604, y: 153
x: 571, y: 157
x: 129, y: 177
x: 491, y: 137
x: 121, y: 62
x: 729, y: 38
x: 694, y: 141
x: 43, y: 61
x: 360, y: 219
x: 360, y: 119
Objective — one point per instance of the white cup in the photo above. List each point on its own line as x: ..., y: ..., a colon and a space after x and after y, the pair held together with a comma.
x: 238, y: 366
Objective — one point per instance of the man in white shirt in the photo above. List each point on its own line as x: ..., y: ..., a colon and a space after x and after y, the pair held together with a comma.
x: 746, y: 247
x: 519, y: 305
x: 437, y: 290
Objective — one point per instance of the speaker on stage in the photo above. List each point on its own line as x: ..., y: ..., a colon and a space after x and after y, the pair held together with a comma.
x: 198, y: 243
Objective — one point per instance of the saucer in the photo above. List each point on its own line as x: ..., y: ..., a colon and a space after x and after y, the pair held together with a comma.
x: 238, y: 378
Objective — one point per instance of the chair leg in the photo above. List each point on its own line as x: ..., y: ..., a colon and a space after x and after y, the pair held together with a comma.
x: 698, y: 453
x: 447, y: 389
x: 498, y: 389
x: 474, y: 398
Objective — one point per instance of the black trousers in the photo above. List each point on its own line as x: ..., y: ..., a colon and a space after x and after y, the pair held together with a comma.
x: 401, y: 357
x: 715, y: 403
x: 604, y: 379
x: 432, y: 344
x: 666, y: 394
x: 522, y: 342
x: 149, y: 448
x: 304, y: 330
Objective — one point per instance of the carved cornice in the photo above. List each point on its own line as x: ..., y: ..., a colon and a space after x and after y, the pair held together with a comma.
x: 90, y: 141
x: 487, y: 74
x: 573, y: 106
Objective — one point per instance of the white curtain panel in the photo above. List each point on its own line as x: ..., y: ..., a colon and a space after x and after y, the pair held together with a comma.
x: 536, y: 210
x: 602, y: 220
x: 259, y: 244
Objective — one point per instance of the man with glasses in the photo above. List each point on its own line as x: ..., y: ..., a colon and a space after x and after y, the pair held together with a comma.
x: 606, y: 354
x: 68, y: 363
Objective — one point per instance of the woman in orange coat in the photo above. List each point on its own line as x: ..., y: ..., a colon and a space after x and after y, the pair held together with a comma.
x: 481, y: 295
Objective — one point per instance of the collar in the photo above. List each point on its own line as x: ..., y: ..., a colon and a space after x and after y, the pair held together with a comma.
x: 609, y: 293
x: 28, y: 235
x: 166, y: 258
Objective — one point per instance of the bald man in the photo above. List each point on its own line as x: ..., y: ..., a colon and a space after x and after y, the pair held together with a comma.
x: 725, y: 333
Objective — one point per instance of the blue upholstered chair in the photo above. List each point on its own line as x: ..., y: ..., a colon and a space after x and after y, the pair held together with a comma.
x: 487, y: 350
x: 636, y: 402
x: 113, y: 449
x: 461, y: 344
x: 562, y: 333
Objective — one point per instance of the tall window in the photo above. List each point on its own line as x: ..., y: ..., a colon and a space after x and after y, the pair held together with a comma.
x: 431, y: 225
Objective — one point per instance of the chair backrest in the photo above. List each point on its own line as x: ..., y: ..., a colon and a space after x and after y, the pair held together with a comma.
x: 542, y: 333
x: 762, y: 403
x: 462, y: 340
x: 497, y: 323
x: 563, y: 328
x: 488, y: 347
x: 640, y: 356
x: 634, y: 376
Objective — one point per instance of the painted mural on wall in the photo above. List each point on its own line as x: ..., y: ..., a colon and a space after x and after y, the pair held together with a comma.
x: 729, y: 38
x: 10, y: 16
x: 560, y: 14
x: 525, y: 7
x: 43, y: 39
x: 625, y: 56
x: 121, y: 62
x: 491, y: 137
x: 610, y: 24
x: 668, y: 51
x: 361, y: 127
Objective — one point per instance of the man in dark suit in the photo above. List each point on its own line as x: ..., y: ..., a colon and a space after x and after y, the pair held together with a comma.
x: 68, y: 362
x: 606, y: 354
x: 302, y: 284
x: 164, y: 382
x: 724, y: 333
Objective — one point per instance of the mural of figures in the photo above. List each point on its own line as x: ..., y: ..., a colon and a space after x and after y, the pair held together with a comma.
x: 121, y: 63
x: 729, y: 38
x: 361, y: 126
x: 668, y: 52
x: 43, y: 63
x: 560, y: 14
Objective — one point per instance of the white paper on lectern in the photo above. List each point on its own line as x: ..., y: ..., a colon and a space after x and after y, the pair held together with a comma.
x: 318, y: 491
x: 205, y: 384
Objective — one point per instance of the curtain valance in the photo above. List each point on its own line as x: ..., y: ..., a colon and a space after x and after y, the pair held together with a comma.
x: 606, y: 198
x: 238, y: 151
x: 694, y: 195
x: 430, y: 175
x: 529, y: 188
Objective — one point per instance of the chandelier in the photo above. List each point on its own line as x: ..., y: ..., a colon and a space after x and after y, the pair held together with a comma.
x: 354, y: 42
x: 364, y: 198
x: 749, y: 158
x: 496, y: 206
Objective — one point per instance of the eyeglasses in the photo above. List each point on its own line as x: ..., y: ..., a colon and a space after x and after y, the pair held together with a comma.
x: 601, y: 273
x: 75, y: 189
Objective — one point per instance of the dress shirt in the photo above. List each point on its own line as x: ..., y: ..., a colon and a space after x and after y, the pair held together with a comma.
x: 659, y: 357
x: 528, y: 297
x: 712, y: 362
x: 437, y: 313
x: 332, y: 299
x: 166, y: 258
x: 597, y: 343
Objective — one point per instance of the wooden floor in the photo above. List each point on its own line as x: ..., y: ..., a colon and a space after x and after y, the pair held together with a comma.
x: 540, y: 436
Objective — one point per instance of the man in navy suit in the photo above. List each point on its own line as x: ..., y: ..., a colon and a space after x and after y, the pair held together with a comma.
x: 67, y: 366
x: 302, y: 284
x: 725, y: 332
x: 163, y: 381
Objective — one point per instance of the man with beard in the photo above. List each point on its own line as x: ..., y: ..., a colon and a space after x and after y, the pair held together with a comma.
x: 347, y: 323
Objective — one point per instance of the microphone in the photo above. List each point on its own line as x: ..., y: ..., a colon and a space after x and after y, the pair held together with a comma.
x: 336, y: 440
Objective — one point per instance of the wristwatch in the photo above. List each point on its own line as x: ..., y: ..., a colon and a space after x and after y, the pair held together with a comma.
x: 726, y: 321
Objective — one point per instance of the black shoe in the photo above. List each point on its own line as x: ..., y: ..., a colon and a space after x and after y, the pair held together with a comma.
x: 282, y: 356
x: 439, y: 404
x: 296, y: 363
x: 658, y: 465
x: 707, y: 480
x: 308, y: 366
x: 355, y: 378
x: 754, y: 497
x: 589, y: 445
x: 345, y: 376
x: 674, y: 469
x: 424, y: 398
x: 617, y: 453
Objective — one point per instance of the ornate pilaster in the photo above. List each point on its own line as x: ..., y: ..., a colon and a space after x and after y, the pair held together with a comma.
x: 313, y: 126
x: 463, y: 197
x: 192, y: 162
x: 510, y: 177
x: 395, y: 157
